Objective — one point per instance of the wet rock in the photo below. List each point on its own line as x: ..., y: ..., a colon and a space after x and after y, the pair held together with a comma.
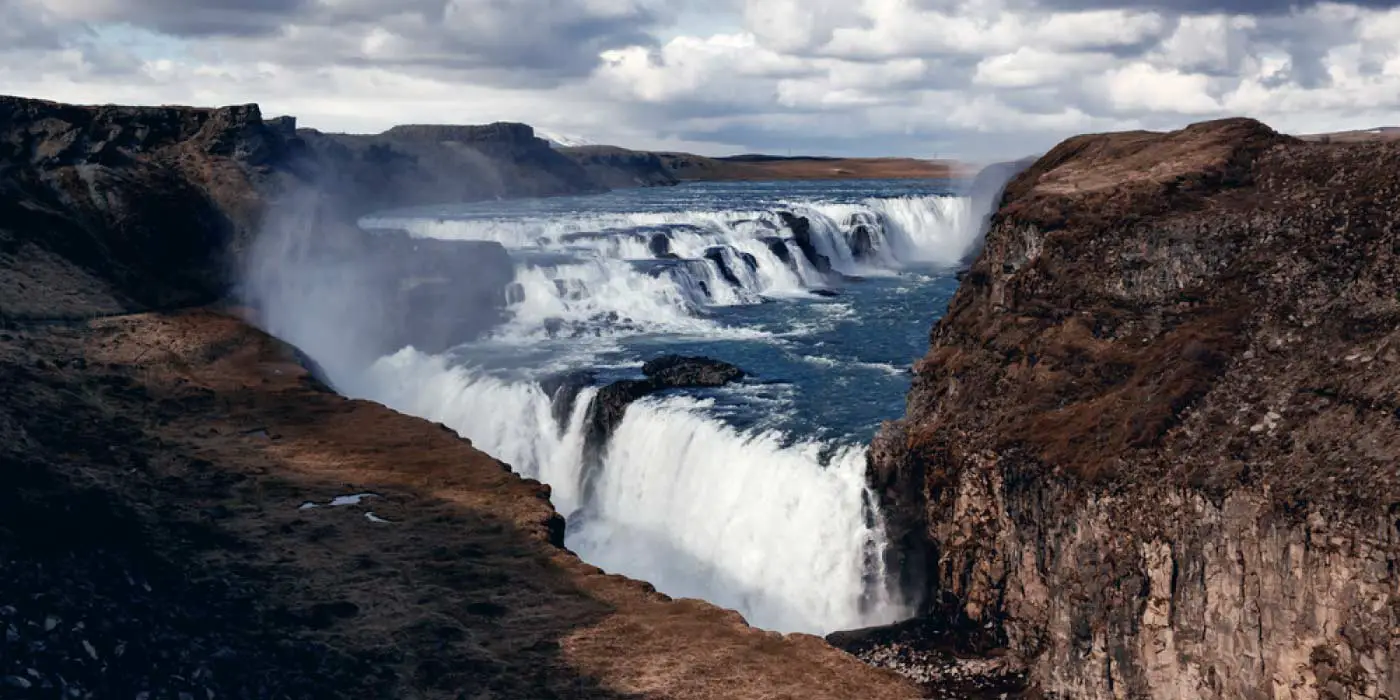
x: 801, y: 228
x: 660, y: 246
x: 563, y: 391
x: 860, y: 234
x: 715, y: 254
x: 862, y: 242
x: 677, y: 371
x: 779, y: 248
x: 666, y: 372
x: 608, y: 407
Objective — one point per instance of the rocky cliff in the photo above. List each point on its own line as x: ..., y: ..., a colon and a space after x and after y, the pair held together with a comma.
x: 433, y: 164
x: 108, y: 209
x: 1154, y: 448
x: 116, y: 209
x: 186, y: 511
x: 620, y: 167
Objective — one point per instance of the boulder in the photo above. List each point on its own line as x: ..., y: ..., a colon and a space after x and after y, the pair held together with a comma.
x: 677, y: 371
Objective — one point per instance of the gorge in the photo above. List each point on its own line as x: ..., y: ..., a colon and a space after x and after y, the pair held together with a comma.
x: 1150, y: 452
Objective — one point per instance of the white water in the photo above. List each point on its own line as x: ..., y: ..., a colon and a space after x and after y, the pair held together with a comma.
x: 743, y: 519
x: 683, y: 501
x: 598, y: 273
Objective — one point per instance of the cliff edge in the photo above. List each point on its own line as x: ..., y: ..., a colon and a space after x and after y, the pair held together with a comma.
x: 1154, y: 448
x: 186, y: 510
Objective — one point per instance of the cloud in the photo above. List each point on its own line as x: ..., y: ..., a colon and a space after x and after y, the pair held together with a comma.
x: 1209, y: 7
x: 187, y: 17
x: 880, y: 77
x: 494, y: 40
x: 26, y: 25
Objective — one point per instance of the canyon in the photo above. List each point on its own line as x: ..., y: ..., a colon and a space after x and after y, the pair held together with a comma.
x: 1152, y: 451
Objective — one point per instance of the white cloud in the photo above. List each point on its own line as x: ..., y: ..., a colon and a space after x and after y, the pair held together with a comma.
x: 1031, y: 67
x: 993, y: 77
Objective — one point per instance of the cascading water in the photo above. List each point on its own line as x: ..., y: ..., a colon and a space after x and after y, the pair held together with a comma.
x: 660, y: 270
x: 752, y: 497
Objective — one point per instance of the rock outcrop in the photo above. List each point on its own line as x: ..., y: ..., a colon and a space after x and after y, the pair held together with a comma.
x: 801, y: 228
x: 620, y: 168
x: 432, y: 164
x: 665, y: 372
x: 1155, y: 445
x: 109, y: 209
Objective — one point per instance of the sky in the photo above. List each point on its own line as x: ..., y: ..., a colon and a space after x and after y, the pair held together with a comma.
x: 972, y: 79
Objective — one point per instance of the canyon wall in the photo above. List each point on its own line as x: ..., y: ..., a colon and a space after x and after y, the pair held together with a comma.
x: 1154, y: 448
x: 112, y: 209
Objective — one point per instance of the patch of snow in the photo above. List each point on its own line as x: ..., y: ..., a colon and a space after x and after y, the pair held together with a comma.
x: 370, y: 516
x: 352, y: 500
x: 558, y: 140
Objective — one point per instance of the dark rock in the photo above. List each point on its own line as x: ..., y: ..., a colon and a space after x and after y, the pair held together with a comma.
x: 779, y: 248
x: 563, y: 391
x: 677, y: 371
x: 862, y: 242
x: 660, y: 245
x: 608, y: 407
x: 825, y: 292
x: 801, y: 228
x: 619, y: 167
x: 715, y: 254
x: 860, y: 234
x: 610, y: 404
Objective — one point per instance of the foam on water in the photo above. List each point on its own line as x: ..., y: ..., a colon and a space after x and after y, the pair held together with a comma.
x: 588, y: 273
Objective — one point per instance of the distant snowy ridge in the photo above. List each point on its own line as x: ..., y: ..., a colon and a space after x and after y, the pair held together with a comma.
x: 558, y: 140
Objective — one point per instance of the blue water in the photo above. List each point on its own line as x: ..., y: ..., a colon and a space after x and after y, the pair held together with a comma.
x: 821, y: 368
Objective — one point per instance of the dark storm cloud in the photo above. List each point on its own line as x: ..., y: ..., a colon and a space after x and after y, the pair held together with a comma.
x: 1237, y: 7
x: 25, y: 27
